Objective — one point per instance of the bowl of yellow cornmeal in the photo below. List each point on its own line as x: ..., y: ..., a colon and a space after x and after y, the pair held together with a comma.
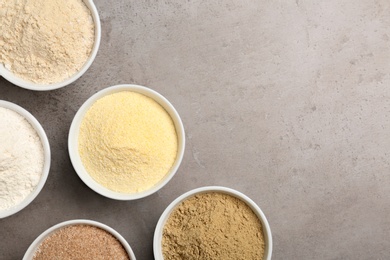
x: 47, y: 44
x: 126, y: 142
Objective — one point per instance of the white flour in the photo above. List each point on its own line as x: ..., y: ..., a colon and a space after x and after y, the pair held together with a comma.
x: 45, y: 41
x: 21, y: 158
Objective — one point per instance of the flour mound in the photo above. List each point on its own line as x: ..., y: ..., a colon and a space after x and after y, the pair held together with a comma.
x: 45, y: 41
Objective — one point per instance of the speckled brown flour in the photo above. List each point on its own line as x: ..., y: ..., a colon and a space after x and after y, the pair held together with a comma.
x: 213, y: 226
x: 81, y: 242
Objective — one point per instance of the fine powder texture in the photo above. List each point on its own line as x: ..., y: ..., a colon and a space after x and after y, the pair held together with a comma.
x: 21, y: 158
x: 81, y: 242
x: 213, y: 226
x: 127, y: 142
x: 45, y: 41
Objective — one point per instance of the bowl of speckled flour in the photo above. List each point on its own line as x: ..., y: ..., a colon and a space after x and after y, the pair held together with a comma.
x: 80, y: 239
x: 48, y: 44
x: 24, y: 158
x: 213, y: 222
x: 126, y: 142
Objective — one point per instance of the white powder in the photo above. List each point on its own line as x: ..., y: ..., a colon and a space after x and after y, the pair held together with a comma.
x: 21, y: 158
x: 45, y: 41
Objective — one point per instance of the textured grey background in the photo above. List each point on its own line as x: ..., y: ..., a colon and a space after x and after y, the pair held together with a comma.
x: 286, y: 101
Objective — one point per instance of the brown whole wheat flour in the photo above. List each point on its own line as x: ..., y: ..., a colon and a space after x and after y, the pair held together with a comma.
x: 81, y: 242
x: 213, y: 226
x: 45, y: 41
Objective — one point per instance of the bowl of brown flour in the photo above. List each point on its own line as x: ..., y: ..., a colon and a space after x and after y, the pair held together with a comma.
x: 80, y: 239
x: 212, y: 223
x: 46, y: 45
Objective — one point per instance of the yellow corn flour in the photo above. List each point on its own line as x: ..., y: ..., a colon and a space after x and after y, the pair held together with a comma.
x: 127, y: 142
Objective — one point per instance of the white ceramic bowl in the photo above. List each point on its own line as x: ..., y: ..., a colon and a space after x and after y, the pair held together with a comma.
x: 33, y: 247
x: 74, y: 133
x: 46, y: 149
x: 8, y: 75
x: 157, y: 240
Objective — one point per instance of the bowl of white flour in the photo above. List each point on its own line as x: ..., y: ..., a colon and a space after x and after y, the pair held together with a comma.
x: 24, y: 158
x: 48, y: 44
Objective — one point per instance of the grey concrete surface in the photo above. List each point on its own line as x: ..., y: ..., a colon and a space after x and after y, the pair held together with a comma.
x: 285, y: 101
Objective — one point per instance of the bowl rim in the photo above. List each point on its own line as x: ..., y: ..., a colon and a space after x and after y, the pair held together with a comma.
x: 47, y: 157
x: 35, y: 244
x: 74, y: 132
x: 14, y: 79
x: 157, y: 238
